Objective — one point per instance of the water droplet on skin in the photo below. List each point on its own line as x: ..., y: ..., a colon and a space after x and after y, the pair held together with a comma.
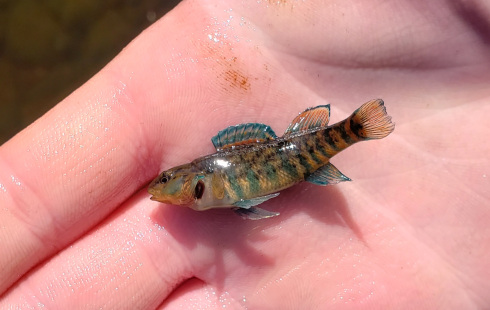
x: 15, y: 180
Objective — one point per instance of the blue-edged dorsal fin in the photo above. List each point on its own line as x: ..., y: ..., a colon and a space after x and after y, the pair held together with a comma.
x: 328, y: 174
x: 255, y: 213
x: 311, y: 118
x: 242, y: 134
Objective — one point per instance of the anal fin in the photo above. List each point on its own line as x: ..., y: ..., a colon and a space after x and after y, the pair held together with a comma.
x: 328, y: 174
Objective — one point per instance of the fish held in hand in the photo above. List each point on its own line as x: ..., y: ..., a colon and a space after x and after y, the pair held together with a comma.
x: 251, y: 164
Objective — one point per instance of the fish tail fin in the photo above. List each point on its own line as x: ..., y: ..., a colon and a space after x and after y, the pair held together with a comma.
x: 371, y: 121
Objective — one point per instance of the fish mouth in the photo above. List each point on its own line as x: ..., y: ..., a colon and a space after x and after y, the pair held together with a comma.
x: 153, y: 192
x: 158, y: 198
x: 156, y: 194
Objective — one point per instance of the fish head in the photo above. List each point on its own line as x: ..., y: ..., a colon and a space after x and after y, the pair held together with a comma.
x: 181, y: 185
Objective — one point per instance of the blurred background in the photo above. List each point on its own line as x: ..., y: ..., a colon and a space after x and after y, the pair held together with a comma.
x: 48, y: 48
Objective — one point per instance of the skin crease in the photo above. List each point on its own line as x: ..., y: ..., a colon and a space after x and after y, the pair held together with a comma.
x: 411, y: 231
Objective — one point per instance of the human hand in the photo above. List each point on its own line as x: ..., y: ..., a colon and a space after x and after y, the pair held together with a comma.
x: 411, y: 230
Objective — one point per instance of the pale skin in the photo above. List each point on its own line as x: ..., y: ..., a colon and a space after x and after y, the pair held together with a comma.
x: 77, y: 227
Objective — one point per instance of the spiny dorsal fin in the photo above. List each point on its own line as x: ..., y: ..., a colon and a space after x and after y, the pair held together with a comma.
x: 242, y: 134
x: 311, y: 118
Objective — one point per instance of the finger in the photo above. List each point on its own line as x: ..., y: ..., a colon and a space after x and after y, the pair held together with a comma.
x: 128, y: 262
x: 67, y: 171
x: 76, y: 164
x: 196, y: 294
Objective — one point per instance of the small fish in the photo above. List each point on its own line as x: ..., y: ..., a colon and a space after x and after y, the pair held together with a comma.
x: 252, y: 164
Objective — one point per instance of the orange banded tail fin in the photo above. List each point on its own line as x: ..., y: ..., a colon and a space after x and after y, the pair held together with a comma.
x: 371, y: 121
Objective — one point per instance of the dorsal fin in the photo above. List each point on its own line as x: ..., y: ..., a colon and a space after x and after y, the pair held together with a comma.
x: 311, y: 118
x: 242, y: 134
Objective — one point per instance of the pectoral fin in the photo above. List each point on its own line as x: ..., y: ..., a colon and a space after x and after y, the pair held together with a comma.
x: 246, y: 204
x: 328, y: 174
x: 254, y: 213
x: 247, y: 210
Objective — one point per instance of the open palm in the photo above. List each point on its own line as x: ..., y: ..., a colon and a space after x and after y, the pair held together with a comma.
x: 411, y: 230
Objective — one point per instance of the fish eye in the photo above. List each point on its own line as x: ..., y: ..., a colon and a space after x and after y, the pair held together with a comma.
x: 199, y: 190
x: 164, y: 179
